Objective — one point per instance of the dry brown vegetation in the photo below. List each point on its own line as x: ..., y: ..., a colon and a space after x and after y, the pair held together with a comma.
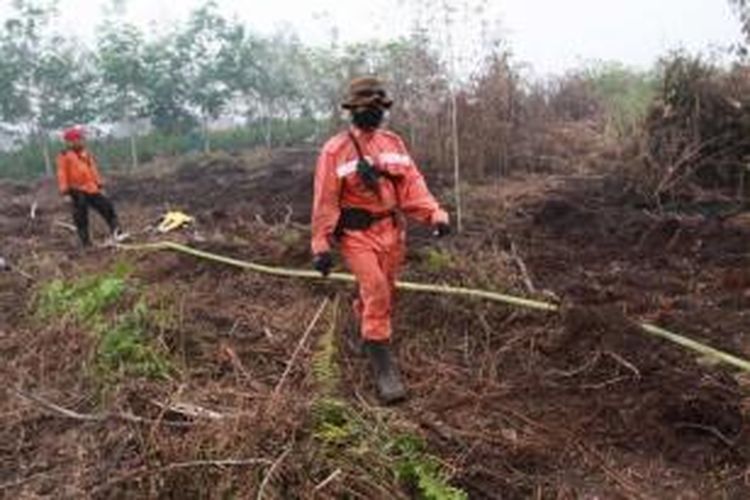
x: 132, y: 375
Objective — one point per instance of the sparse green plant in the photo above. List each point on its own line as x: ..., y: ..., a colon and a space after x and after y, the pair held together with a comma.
x: 437, y: 260
x: 334, y: 425
x: 324, y: 365
x: 421, y: 471
x: 83, y: 300
x: 124, y: 347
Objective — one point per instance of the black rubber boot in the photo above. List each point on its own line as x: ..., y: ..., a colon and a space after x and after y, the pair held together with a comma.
x: 387, y: 378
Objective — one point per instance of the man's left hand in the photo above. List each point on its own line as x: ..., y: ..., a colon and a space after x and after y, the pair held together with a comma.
x: 323, y: 262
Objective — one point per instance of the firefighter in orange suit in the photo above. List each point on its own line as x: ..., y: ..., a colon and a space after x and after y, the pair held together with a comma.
x: 78, y: 178
x: 365, y: 183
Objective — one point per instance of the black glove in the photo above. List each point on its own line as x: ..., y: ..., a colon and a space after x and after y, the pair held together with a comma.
x: 442, y: 229
x: 323, y: 262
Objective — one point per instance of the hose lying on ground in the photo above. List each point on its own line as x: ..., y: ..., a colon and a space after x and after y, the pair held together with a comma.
x: 653, y: 330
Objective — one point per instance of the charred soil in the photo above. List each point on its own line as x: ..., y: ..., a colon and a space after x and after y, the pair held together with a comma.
x: 506, y: 403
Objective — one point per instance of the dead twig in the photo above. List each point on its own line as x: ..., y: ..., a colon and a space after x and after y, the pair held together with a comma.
x: 73, y: 415
x: 523, y: 269
x: 328, y: 480
x: 271, y: 471
x: 624, y: 362
x: 144, y: 471
x: 576, y: 371
x: 300, y: 345
x: 604, y: 384
x: 64, y: 225
x: 288, y: 215
x: 89, y: 417
x: 29, y: 479
x: 707, y: 428
x: 615, y: 476
x: 7, y: 266
x: 189, y: 410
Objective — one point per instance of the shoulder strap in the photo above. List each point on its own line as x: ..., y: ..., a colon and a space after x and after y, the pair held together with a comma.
x: 354, y: 140
x: 361, y: 157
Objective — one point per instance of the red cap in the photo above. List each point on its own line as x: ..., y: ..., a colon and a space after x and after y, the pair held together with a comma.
x: 73, y: 134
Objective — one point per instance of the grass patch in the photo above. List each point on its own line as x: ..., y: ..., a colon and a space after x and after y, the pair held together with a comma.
x: 126, y: 349
x: 109, y: 306
x: 84, y: 300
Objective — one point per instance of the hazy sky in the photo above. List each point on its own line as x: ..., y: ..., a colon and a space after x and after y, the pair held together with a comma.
x: 552, y: 35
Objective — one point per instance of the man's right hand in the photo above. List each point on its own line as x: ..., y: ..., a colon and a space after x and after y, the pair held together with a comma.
x: 442, y: 229
x: 323, y: 262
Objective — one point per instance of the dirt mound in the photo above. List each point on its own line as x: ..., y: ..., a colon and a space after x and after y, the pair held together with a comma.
x: 222, y: 185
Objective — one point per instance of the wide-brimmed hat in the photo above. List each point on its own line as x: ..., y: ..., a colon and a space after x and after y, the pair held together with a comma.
x: 366, y: 91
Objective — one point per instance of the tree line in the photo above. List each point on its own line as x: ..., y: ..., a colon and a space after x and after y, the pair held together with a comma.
x: 177, y: 81
x: 452, y: 95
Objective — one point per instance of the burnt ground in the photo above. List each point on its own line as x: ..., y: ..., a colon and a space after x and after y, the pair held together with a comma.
x: 513, y: 403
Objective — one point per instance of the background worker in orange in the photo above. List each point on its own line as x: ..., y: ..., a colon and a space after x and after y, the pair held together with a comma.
x: 78, y: 177
x: 365, y: 182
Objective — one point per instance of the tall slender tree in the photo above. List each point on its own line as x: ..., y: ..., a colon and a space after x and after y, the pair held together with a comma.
x: 121, y: 66
x: 200, y: 47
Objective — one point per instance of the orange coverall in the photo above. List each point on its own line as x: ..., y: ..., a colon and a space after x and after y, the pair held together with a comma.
x: 373, y: 255
x: 78, y: 171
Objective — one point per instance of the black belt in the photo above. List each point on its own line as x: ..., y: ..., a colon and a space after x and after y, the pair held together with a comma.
x: 359, y: 219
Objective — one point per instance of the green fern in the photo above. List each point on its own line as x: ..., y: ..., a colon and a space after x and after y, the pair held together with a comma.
x: 83, y: 300
x: 125, y: 348
x: 324, y: 366
x: 336, y: 424
x: 434, y: 487
x: 422, y: 471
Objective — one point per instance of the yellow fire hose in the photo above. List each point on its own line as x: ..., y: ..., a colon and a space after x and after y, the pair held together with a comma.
x: 653, y: 330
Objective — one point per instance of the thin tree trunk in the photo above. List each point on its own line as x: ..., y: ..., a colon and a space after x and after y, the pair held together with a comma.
x: 412, y: 132
x: 456, y: 161
x: 133, y: 148
x: 269, y: 139
x: 46, y: 153
x: 206, y: 138
x: 317, y: 131
x: 288, y: 127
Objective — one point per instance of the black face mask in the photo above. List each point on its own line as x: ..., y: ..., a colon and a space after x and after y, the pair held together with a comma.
x: 368, y: 118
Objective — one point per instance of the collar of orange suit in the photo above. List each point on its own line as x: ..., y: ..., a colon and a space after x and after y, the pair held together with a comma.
x: 81, y: 153
x: 363, y: 134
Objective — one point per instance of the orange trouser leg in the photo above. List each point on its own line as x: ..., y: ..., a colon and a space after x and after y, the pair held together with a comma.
x: 376, y: 274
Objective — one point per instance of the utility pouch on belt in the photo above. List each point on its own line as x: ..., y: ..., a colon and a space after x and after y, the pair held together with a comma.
x: 357, y: 219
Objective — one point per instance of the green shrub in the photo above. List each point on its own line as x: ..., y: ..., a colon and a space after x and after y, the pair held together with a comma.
x: 84, y: 300
x: 125, y: 348
x: 124, y: 344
